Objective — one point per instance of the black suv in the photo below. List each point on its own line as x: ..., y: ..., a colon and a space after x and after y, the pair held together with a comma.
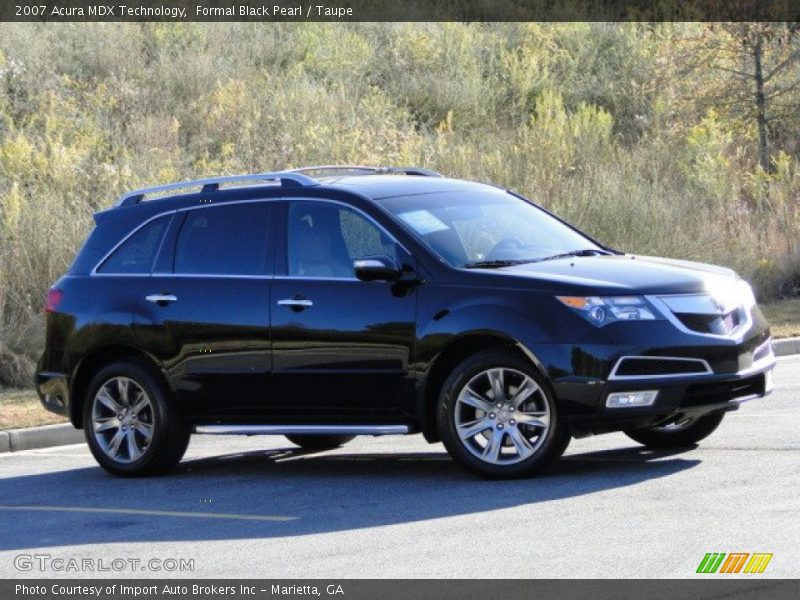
x: 377, y: 301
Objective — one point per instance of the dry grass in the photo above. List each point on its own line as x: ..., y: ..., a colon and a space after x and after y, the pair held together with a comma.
x: 21, y: 408
x: 783, y: 317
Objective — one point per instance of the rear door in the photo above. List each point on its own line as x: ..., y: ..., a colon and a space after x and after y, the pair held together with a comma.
x: 205, y: 310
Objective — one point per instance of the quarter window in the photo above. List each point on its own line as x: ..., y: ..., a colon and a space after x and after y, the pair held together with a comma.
x: 136, y: 254
x: 224, y: 240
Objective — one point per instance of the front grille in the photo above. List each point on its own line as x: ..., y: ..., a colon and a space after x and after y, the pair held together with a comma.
x: 707, y: 314
x: 699, y: 394
x: 654, y: 367
x: 713, y: 324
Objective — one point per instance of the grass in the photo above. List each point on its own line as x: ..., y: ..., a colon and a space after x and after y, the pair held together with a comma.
x: 21, y: 408
x: 783, y: 317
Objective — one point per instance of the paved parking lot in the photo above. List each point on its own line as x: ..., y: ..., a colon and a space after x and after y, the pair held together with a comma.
x: 398, y: 507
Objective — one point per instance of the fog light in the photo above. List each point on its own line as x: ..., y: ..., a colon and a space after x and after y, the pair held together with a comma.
x: 631, y: 399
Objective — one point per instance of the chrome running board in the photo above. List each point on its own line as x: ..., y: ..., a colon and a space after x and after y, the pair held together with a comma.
x: 302, y: 429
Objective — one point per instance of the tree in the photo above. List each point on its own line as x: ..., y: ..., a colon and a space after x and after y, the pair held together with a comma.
x: 755, y: 70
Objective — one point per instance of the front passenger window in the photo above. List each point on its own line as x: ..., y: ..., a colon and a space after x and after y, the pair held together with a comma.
x: 324, y: 240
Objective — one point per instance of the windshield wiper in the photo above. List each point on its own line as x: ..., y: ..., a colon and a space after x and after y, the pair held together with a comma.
x: 496, y: 264
x: 584, y: 252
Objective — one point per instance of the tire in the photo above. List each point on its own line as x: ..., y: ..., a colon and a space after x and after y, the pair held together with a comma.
x: 679, y: 434
x: 123, y: 447
x: 319, y: 442
x: 506, y: 447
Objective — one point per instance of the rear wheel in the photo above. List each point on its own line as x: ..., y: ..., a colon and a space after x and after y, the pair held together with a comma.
x: 131, y: 427
x: 681, y: 432
x: 498, y: 418
x: 319, y: 442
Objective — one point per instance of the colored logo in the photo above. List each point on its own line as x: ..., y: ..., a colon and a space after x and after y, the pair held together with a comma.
x: 734, y: 562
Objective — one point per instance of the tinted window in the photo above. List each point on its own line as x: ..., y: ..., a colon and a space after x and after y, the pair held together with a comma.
x: 324, y: 239
x: 136, y: 254
x: 224, y: 240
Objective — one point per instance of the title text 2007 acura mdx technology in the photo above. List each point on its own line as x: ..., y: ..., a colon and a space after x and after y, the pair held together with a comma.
x: 377, y: 301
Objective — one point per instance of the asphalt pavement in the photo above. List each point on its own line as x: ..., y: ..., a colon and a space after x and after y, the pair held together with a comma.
x: 398, y: 507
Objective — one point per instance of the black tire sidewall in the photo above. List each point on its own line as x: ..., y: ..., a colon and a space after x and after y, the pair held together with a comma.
x: 557, y: 436
x: 164, y: 419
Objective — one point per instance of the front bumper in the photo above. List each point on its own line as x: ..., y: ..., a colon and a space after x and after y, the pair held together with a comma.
x: 684, y: 396
x: 724, y: 373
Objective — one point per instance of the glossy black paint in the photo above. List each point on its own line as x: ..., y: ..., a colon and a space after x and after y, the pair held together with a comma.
x: 369, y: 351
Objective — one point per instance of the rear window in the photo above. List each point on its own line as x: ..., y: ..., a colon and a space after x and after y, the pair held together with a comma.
x: 136, y: 254
x: 224, y: 240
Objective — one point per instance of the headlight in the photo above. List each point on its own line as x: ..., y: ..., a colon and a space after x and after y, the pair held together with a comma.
x: 602, y: 310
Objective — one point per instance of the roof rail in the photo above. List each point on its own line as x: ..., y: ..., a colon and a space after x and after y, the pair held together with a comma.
x: 287, y: 178
x: 366, y: 170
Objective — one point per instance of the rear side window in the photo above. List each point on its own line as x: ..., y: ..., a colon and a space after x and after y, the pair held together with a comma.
x: 224, y: 240
x: 136, y: 254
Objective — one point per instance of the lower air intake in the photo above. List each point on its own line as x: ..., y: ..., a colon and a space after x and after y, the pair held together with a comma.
x: 658, y: 367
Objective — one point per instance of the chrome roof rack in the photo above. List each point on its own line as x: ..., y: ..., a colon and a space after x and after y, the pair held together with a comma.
x: 287, y: 178
x: 366, y: 170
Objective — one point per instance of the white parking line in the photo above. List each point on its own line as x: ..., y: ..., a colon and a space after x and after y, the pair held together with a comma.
x: 150, y: 513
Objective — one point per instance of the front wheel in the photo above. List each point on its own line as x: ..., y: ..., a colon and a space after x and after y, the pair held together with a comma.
x: 498, y: 418
x: 682, y: 432
x: 131, y: 427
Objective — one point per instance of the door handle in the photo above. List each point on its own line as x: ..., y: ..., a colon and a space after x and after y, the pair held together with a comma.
x: 296, y: 303
x: 161, y: 299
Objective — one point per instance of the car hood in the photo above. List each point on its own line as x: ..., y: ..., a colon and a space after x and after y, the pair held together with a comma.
x: 622, y: 274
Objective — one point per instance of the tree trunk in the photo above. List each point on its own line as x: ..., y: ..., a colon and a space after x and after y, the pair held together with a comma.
x: 761, y: 108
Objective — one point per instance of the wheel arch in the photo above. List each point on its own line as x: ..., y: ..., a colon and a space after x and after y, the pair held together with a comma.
x: 454, y: 353
x: 96, y: 360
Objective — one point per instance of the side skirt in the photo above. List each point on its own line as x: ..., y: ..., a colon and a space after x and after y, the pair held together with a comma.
x: 302, y: 429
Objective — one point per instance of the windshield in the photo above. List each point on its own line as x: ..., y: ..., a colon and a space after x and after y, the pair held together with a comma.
x: 487, y: 228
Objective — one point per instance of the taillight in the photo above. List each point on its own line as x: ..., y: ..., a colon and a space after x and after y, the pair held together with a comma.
x: 54, y: 296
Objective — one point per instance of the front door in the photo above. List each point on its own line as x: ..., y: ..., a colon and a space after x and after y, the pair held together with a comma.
x: 340, y: 346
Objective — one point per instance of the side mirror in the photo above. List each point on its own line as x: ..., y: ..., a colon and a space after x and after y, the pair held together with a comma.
x: 376, y: 268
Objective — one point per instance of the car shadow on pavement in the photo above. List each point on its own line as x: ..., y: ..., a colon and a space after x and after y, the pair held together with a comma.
x: 278, y: 493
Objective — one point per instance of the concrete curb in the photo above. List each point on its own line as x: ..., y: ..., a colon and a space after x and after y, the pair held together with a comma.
x: 786, y: 346
x: 46, y: 436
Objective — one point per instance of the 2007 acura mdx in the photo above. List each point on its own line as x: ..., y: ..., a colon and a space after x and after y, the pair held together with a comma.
x: 376, y: 301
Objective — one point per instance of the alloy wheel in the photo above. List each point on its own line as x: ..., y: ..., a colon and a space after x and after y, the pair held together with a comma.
x: 122, y: 419
x: 502, y: 416
x: 676, y: 425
